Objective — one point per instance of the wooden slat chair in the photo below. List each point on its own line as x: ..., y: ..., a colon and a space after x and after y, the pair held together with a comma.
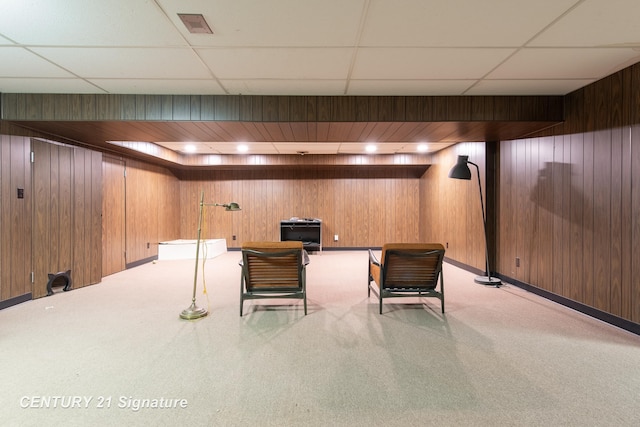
x: 273, y: 270
x: 407, y: 270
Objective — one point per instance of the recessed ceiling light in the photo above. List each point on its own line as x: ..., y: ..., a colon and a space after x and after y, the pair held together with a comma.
x: 190, y: 148
x: 242, y: 148
x: 195, y: 23
x: 422, y: 148
x: 371, y: 148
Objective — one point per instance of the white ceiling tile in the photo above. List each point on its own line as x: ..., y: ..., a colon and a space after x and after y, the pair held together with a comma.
x: 20, y: 63
x: 128, y: 63
x: 272, y: 63
x: 331, y: 47
x: 408, y: 87
x: 466, y: 23
x: 360, y: 147
x: 426, y: 63
x: 218, y: 147
x: 159, y: 86
x: 179, y: 146
x: 540, y: 63
x: 232, y: 148
x: 87, y: 23
x: 273, y: 22
x: 296, y: 148
x: 284, y: 87
x: 527, y: 87
x: 432, y: 147
x: 36, y: 85
x: 595, y: 23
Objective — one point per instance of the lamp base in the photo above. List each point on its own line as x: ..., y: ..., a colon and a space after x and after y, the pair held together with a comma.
x: 193, y: 312
x: 488, y: 281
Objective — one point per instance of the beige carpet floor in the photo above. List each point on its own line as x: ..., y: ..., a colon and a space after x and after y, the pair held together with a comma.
x: 497, y: 357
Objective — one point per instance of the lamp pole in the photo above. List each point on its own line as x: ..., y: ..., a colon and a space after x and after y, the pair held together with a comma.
x: 461, y: 171
x: 193, y: 311
x: 484, y: 280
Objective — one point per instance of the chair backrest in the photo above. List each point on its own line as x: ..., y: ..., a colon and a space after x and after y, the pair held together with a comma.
x: 273, y: 266
x: 411, y: 265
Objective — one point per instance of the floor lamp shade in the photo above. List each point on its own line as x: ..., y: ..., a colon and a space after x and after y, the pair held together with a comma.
x: 228, y: 206
x: 461, y: 171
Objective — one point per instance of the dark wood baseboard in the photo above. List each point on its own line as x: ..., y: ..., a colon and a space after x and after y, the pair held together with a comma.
x: 15, y: 300
x: 582, y: 308
x: 140, y: 262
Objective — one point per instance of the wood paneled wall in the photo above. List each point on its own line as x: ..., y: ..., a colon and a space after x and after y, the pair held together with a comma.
x: 56, y: 226
x: 451, y: 208
x: 254, y: 108
x: 363, y: 207
x: 569, y: 203
x: 15, y: 217
x: 569, y: 210
x: 113, y: 215
x: 53, y: 222
x: 152, y: 214
x: 67, y: 228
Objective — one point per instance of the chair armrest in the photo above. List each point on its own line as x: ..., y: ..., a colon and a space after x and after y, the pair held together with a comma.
x: 372, y: 258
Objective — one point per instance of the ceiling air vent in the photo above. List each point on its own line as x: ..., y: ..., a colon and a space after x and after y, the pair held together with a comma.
x: 195, y: 23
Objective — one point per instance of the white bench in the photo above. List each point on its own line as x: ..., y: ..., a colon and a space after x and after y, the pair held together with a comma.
x: 186, y: 249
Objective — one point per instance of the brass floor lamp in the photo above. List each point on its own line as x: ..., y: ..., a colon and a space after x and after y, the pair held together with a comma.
x: 193, y: 311
x: 462, y: 171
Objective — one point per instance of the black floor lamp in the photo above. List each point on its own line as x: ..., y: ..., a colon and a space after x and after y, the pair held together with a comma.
x: 461, y: 171
x: 193, y: 311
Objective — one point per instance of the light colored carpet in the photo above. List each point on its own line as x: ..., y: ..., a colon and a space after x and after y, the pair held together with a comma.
x: 496, y: 357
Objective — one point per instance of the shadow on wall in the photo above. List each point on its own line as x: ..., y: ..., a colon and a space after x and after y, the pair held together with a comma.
x: 550, y: 193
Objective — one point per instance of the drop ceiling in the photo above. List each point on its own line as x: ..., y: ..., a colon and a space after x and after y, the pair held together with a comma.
x: 323, y: 48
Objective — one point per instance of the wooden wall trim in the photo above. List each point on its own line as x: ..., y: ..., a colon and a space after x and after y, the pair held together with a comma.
x: 605, y: 316
x: 254, y: 108
x: 15, y: 300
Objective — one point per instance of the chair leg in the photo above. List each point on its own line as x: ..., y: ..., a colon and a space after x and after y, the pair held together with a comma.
x: 241, y: 294
x: 442, y: 291
x: 304, y: 291
x: 380, y: 301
